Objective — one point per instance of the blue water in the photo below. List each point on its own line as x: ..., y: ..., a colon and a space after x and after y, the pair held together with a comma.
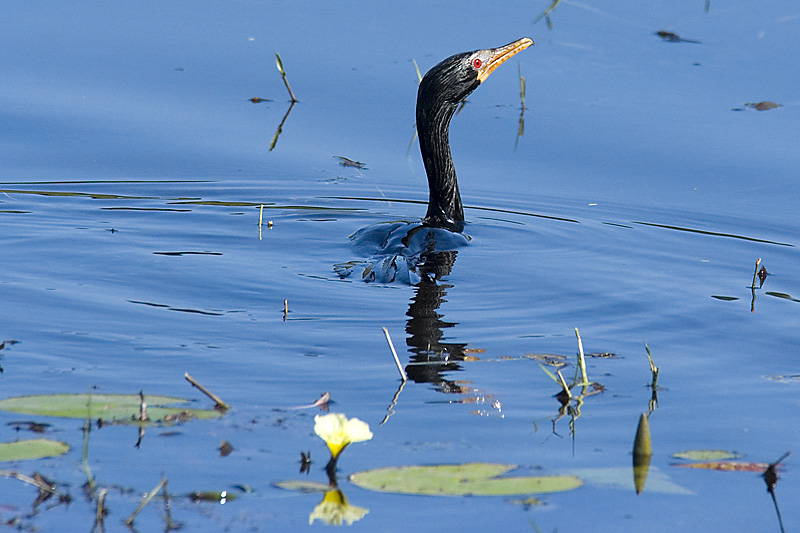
x: 636, y: 194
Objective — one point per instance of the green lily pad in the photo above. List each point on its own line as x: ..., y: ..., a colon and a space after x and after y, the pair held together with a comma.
x: 111, y: 407
x: 303, y: 486
x: 706, y: 455
x: 31, y: 449
x: 470, y: 479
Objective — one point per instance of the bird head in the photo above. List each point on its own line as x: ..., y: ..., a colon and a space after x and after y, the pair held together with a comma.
x: 454, y: 78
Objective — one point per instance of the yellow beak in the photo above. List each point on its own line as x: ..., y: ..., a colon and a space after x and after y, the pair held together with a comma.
x: 494, y: 57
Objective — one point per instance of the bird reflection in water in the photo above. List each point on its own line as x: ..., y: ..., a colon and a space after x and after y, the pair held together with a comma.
x: 431, y: 357
x: 423, y: 253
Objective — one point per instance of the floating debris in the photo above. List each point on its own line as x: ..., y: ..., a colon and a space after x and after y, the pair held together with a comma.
x: 726, y: 466
x: 211, y: 497
x: 603, y: 355
x: 559, y: 361
x: 34, y: 427
x: 346, y: 162
x: 762, y: 276
x: 758, y: 106
x: 7, y: 342
x: 763, y: 106
x: 323, y: 402
x: 225, y: 448
x: 784, y: 378
x: 305, y: 462
x: 669, y: 37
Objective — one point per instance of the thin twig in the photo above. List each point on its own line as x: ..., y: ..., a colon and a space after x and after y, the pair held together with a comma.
x: 87, y: 428
x: 390, y: 410
x: 147, y: 497
x: 142, y: 416
x: 755, y: 273
x: 219, y: 403
x: 101, y: 510
x: 40, y: 484
x: 278, y: 132
x: 400, y: 369
x: 653, y: 368
x: 260, y: 220
x: 168, y: 508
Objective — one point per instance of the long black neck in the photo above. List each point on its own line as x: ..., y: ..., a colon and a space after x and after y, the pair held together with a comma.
x: 433, y: 125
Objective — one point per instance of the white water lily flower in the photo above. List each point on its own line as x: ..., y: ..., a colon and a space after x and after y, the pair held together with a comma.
x: 334, y: 510
x: 338, y: 431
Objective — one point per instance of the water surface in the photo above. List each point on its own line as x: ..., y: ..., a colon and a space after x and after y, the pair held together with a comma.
x: 133, y: 171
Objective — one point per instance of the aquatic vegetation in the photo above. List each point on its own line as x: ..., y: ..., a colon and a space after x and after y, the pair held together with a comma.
x: 32, y: 449
x: 470, y: 479
x: 108, y: 407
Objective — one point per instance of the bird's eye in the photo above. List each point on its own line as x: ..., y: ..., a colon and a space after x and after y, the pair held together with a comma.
x: 477, y: 63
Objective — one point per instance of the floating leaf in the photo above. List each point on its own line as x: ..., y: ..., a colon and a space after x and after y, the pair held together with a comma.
x: 119, y: 407
x: 725, y: 298
x: 303, y: 486
x: 31, y: 449
x: 727, y: 466
x: 706, y: 455
x: 470, y: 479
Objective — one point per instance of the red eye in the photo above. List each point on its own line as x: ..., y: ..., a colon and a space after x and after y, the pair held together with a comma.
x: 477, y: 63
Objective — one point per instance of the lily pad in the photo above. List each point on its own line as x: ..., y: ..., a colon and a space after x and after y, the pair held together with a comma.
x: 31, y: 449
x: 470, y: 479
x: 112, y: 407
x: 706, y: 455
x: 303, y: 486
